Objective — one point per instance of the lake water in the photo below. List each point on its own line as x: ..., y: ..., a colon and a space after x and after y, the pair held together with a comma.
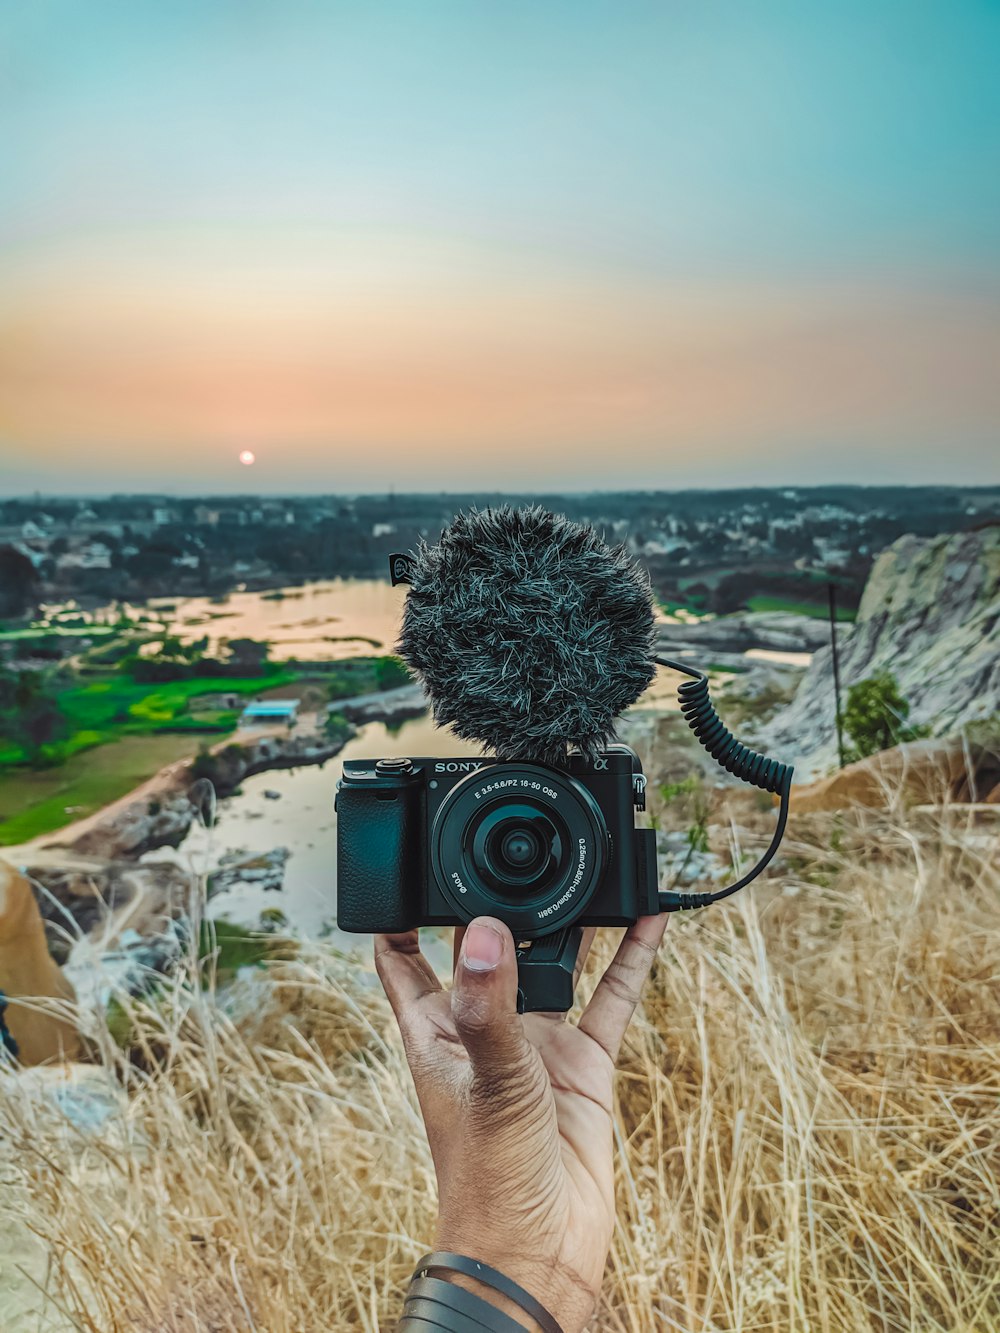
x: 325, y: 621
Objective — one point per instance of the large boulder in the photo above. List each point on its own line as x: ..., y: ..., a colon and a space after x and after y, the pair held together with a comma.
x: 39, y: 998
x: 140, y: 826
x: 917, y: 773
x: 388, y: 706
x: 930, y: 615
x: 774, y: 631
x: 115, y: 925
x: 100, y: 899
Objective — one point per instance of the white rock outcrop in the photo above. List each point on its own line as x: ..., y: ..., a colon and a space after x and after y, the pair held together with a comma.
x: 930, y: 615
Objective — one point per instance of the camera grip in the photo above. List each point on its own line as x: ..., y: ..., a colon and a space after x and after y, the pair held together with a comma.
x: 379, y: 861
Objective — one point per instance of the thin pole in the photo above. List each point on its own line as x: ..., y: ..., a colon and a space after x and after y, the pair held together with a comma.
x: 832, y: 594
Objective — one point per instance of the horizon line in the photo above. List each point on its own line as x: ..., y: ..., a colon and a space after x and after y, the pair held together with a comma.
x: 38, y: 494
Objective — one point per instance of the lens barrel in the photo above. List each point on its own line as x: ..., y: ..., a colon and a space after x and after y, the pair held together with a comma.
x: 520, y: 841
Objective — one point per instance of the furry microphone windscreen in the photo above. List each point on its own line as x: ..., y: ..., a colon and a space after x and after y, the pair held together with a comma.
x: 529, y: 632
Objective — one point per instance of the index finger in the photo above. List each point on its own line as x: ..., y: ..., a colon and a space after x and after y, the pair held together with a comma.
x: 616, y: 995
x: 404, y: 972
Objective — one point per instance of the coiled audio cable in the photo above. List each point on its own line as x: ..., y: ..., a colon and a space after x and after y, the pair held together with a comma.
x: 741, y: 761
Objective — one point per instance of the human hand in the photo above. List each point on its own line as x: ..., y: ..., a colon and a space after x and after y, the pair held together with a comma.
x: 518, y: 1108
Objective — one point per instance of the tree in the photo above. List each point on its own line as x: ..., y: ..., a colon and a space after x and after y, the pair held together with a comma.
x: 153, y: 560
x: 248, y: 655
x: 390, y: 673
x: 29, y: 715
x: 18, y: 582
x: 875, y: 717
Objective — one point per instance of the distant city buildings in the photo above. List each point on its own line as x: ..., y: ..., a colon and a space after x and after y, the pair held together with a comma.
x: 709, y: 549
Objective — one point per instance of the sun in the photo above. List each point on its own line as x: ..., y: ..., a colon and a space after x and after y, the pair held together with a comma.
x: 248, y: 457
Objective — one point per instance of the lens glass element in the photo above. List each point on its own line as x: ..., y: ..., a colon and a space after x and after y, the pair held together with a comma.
x: 519, y: 848
x: 516, y: 847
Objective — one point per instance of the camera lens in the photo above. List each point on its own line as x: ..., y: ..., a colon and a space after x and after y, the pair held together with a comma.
x: 520, y: 841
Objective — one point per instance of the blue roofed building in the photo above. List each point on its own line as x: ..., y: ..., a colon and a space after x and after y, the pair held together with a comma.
x: 270, y: 710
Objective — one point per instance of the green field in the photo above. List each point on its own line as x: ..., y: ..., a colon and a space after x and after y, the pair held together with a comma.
x: 816, y: 610
x: 42, y: 632
x: 670, y: 608
x: 37, y: 801
x: 118, y: 702
x: 103, y: 709
x: 118, y: 732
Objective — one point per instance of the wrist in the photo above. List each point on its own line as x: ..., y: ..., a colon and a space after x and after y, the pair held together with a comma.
x: 494, y: 1298
x: 566, y: 1297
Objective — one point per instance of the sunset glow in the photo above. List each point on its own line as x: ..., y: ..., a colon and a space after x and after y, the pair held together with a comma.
x: 529, y: 247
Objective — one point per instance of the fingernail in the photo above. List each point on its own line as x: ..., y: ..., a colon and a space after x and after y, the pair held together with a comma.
x: 482, y: 949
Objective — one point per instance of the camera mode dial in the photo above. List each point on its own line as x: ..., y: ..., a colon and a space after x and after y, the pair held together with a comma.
x: 390, y: 766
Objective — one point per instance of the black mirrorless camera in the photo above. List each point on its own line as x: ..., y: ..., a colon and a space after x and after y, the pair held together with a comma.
x: 437, y: 842
x: 530, y: 636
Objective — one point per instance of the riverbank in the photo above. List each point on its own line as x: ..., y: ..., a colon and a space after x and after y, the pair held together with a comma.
x: 317, y: 738
x: 110, y: 731
x: 87, y: 788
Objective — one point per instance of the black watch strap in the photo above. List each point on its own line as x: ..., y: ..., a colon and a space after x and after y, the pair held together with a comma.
x: 433, y: 1303
x: 445, y: 1260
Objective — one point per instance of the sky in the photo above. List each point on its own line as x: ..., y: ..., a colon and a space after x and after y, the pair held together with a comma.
x: 445, y: 245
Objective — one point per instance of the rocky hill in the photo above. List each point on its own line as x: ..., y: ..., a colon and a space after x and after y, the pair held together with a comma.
x: 930, y: 614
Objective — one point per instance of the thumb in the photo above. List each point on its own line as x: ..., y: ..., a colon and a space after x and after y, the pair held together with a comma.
x: 484, y: 1008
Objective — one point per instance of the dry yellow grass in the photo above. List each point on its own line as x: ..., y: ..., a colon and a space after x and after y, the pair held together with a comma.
x: 809, y: 1130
